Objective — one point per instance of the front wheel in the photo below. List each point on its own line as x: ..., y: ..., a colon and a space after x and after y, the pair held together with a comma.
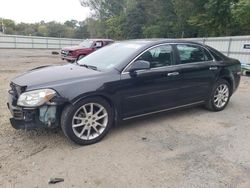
x: 88, y: 121
x: 219, y: 97
x: 80, y: 57
x: 70, y: 61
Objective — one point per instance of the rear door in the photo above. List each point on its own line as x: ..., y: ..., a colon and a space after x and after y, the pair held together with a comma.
x: 197, y: 70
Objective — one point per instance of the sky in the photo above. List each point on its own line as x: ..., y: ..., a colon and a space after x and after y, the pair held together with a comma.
x: 31, y: 11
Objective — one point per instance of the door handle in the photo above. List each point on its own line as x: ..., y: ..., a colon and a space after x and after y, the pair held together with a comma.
x: 213, y: 68
x: 173, y: 73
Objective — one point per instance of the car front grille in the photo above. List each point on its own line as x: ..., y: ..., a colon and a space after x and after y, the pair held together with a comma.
x: 64, y: 52
x: 17, y: 114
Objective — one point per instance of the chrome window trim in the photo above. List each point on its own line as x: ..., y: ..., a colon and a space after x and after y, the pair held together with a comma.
x: 126, y: 72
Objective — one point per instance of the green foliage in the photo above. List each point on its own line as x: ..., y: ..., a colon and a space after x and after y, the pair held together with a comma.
x: 70, y: 29
x: 170, y: 18
x: 241, y: 15
x: 104, y: 8
x: 95, y: 28
x: 129, y: 19
x: 215, y: 17
x: 114, y: 27
x: 9, y: 26
x: 134, y: 21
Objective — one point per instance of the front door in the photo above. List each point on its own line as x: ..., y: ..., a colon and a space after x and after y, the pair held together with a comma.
x: 153, y: 89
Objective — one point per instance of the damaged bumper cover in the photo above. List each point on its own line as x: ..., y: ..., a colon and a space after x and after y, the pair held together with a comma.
x: 47, y: 115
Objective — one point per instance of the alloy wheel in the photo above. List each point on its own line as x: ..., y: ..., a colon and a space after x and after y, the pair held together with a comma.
x: 221, y: 96
x: 90, y: 121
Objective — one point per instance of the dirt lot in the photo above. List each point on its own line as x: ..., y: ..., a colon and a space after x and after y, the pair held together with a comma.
x: 189, y: 148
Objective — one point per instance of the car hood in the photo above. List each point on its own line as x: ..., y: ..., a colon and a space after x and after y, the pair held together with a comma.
x: 72, y: 48
x: 54, y: 75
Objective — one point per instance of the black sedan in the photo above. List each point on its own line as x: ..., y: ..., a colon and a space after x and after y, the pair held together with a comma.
x: 125, y: 80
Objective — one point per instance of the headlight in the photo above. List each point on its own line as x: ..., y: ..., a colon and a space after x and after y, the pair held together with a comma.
x: 35, y: 98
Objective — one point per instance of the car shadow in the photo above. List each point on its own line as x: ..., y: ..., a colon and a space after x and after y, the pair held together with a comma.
x: 157, y: 118
x: 57, y: 137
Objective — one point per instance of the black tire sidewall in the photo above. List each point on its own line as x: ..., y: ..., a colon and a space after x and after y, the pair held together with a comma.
x: 80, y: 57
x: 69, y: 113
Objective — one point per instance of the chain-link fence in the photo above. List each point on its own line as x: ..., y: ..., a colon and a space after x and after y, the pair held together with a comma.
x: 18, y: 41
x: 237, y: 47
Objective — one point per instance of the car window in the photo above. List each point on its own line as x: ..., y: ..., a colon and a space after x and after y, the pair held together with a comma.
x: 160, y: 56
x: 98, y: 44
x: 217, y: 55
x: 192, y: 54
x: 110, y: 56
x: 108, y: 42
x: 86, y: 43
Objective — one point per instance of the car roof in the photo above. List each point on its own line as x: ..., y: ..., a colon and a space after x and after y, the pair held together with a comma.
x: 147, y: 43
x: 101, y: 39
x: 156, y: 41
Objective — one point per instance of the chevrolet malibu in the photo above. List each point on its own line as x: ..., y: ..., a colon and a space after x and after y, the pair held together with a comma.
x: 124, y: 80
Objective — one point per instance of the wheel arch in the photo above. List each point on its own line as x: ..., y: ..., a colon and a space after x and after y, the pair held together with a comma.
x: 79, y: 55
x: 102, y: 96
x: 227, y: 75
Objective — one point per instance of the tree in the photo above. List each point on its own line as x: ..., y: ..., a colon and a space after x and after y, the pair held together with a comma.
x: 9, y: 26
x: 104, y: 8
x: 95, y: 28
x: 114, y: 27
x: 215, y: 17
x: 81, y: 31
x: 241, y: 15
x: 129, y: 19
x: 56, y: 29
x: 42, y: 30
x: 134, y: 21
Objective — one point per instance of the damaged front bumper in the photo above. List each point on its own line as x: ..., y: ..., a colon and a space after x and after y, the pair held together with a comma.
x: 47, y: 115
x: 32, y: 118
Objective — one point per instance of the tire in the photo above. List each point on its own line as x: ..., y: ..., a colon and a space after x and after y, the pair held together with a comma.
x: 213, y: 103
x: 80, y: 57
x: 70, y: 61
x: 81, y: 124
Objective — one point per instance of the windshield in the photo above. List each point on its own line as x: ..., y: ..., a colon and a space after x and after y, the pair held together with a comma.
x: 86, y: 43
x: 110, y: 56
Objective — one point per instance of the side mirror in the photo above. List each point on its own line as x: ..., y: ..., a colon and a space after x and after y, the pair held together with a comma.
x: 139, y: 65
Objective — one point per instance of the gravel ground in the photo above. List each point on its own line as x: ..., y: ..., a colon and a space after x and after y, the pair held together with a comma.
x: 188, y: 148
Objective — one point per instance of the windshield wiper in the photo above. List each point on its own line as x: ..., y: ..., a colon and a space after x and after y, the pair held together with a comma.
x: 89, y: 66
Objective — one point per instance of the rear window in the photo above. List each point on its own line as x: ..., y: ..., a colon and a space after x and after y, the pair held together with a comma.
x: 217, y: 55
x: 192, y: 53
x: 86, y: 43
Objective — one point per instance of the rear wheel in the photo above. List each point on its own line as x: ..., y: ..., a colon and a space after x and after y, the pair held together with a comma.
x: 88, y: 121
x: 219, y: 97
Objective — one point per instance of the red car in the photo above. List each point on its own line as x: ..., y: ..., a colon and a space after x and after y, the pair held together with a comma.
x: 73, y: 53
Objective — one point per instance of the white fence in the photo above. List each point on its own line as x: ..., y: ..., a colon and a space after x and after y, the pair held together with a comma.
x: 18, y: 41
x: 236, y: 47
